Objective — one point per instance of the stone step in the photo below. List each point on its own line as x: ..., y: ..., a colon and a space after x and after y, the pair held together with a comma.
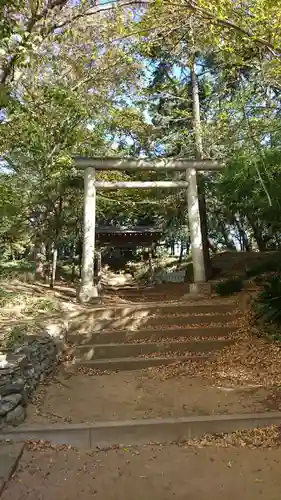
x: 108, y: 336
x: 103, y: 351
x: 159, y: 308
x: 140, y: 323
x: 127, y: 316
x: 143, y: 288
x: 190, y: 319
x: 145, y: 431
x: 129, y: 364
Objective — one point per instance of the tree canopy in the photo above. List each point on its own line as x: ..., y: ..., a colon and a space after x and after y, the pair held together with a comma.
x: 115, y: 78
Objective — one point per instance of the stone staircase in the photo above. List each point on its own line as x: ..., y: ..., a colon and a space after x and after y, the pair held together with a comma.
x: 135, y: 336
x: 152, y: 326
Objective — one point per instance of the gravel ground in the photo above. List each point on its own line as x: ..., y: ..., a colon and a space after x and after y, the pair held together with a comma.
x: 150, y: 473
x: 139, y: 394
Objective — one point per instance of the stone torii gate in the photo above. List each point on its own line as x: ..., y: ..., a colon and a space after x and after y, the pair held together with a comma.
x: 90, y: 164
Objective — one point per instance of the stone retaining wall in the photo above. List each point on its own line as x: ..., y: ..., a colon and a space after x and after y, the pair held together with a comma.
x: 20, y: 371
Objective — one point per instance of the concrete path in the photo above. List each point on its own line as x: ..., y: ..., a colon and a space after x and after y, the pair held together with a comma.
x: 10, y: 454
x: 152, y: 472
x: 137, y: 395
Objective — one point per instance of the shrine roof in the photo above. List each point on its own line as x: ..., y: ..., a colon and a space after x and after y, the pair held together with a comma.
x: 121, y: 236
x: 123, y: 230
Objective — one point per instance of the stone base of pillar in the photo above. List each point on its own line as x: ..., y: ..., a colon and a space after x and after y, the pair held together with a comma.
x: 197, y: 290
x: 88, y: 294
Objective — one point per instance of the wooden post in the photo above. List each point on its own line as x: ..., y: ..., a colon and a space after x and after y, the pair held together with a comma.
x: 88, y: 290
x: 195, y: 227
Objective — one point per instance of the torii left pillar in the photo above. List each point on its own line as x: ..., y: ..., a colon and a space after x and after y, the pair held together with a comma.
x: 88, y: 289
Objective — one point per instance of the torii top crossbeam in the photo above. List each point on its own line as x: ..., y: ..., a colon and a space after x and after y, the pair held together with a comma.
x: 158, y: 164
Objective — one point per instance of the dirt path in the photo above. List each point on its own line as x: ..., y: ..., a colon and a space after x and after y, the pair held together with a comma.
x: 126, y: 395
x: 158, y: 473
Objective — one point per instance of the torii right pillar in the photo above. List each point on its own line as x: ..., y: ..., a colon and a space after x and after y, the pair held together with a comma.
x: 200, y: 286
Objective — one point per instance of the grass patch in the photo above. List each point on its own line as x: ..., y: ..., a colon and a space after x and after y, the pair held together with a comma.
x: 24, y: 311
x: 41, y: 304
x: 6, y: 297
x: 21, y: 270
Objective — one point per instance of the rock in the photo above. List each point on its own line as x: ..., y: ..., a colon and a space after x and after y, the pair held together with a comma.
x: 8, y: 403
x: 19, y: 380
x: 16, y: 416
x: 24, y: 400
x: 6, y: 379
x: 3, y: 360
x: 24, y: 367
x: 11, y: 389
x: 56, y: 331
x: 13, y: 398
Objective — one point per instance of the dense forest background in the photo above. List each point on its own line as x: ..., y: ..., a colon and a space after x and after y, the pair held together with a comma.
x: 103, y: 79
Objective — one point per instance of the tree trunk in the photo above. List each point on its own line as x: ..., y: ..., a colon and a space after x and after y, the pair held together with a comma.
x: 54, y: 247
x: 54, y: 265
x: 40, y: 260
x: 150, y: 265
x: 212, y: 247
x: 99, y: 273
x: 80, y: 263
x: 199, y: 156
x: 261, y: 243
x: 181, y: 253
x: 243, y: 238
x: 277, y: 242
x: 229, y: 244
x: 73, y: 262
x: 47, y: 265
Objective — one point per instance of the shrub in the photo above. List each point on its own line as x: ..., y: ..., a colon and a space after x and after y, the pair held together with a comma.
x: 267, y: 304
x: 229, y: 286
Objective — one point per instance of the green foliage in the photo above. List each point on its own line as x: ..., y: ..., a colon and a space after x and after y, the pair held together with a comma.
x: 229, y: 286
x: 267, y: 304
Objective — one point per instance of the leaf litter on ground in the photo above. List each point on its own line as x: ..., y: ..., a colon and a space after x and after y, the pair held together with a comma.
x: 268, y: 437
x: 251, y: 359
